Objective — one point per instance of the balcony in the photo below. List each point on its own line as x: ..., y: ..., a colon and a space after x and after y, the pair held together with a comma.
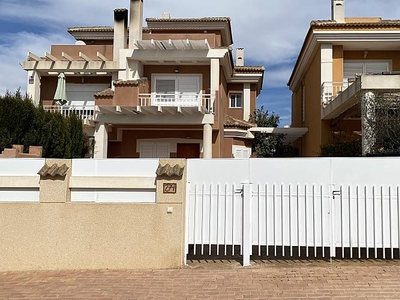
x: 177, y: 99
x: 337, y: 98
x: 330, y: 90
x: 82, y: 112
x: 157, y: 103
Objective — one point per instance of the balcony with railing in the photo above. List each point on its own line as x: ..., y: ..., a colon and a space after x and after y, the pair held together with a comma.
x: 177, y: 99
x: 337, y: 97
x: 82, y: 112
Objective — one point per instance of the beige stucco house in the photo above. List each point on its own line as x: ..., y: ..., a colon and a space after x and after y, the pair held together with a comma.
x: 343, y: 64
x: 168, y: 89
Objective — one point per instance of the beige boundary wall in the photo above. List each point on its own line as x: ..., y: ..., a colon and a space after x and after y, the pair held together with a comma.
x: 56, y: 233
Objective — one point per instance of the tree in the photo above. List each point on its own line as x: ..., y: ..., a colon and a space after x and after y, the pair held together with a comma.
x: 265, y: 144
x: 23, y: 123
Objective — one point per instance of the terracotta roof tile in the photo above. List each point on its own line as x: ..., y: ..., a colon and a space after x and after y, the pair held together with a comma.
x: 207, y: 19
x: 105, y: 93
x: 91, y: 29
x: 249, y: 69
x: 232, y: 122
x: 129, y: 82
x: 352, y: 24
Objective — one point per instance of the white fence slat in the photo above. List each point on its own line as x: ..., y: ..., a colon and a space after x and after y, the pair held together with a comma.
x: 331, y: 207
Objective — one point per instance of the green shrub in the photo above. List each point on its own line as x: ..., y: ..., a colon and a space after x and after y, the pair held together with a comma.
x: 23, y: 123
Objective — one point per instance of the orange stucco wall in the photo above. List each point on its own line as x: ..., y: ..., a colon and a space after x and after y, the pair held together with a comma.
x: 89, y: 50
x: 310, y: 144
x: 126, y: 147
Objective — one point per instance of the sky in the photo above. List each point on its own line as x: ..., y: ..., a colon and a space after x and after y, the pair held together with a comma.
x: 271, y: 31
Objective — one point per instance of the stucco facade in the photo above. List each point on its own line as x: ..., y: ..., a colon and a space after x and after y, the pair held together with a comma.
x: 329, y: 79
x: 173, y: 79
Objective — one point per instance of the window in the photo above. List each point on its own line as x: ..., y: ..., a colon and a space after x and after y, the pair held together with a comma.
x: 154, y: 150
x: 173, y: 90
x: 351, y: 68
x: 236, y: 100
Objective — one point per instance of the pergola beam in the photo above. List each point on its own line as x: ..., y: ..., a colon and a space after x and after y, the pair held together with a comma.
x: 50, y: 56
x: 101, y: 56
x: 33, y: 57
x: 66, y: 56
x: 85, y: 57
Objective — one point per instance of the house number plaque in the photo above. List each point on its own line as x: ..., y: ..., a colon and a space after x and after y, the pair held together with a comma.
x: 169, y: 188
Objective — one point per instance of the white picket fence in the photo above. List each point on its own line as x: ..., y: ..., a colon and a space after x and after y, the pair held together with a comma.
x: 294, y: 207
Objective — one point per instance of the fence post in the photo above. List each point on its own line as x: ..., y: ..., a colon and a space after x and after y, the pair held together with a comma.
x: 247, y: 224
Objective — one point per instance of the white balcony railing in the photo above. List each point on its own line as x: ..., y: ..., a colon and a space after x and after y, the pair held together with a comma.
x: 83, y: 112
x: 178, y: 99
x: 330, y: 90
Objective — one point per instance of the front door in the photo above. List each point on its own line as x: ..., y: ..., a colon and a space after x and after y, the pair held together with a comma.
x: 188, y: 150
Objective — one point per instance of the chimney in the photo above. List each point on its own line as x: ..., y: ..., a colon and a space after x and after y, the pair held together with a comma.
x: 166, y: 16
x: 338, y: 11
x: 120, y: 31
x: 239, y: 57
x: 135, y: 21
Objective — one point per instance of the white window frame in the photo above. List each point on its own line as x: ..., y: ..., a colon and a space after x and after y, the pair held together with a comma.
x: 241, y: 100
x: 364, y: 65
x: 154, y: 148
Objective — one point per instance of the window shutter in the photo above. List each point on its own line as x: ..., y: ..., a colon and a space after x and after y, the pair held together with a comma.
x: 146, y: 150
x: 376, y: 67
x: 351, y: 69
x: 162, y: 150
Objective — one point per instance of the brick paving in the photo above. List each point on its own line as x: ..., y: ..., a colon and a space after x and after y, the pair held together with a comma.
x: 214, y: 280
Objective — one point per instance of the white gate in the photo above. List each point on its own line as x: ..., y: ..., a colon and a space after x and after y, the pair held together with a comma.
x: 287, y: 207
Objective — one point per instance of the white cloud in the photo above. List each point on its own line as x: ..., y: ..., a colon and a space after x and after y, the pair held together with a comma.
x: 12, y: 76
x: 272, y: 31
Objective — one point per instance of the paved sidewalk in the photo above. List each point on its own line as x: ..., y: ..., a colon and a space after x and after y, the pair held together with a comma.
x: 214, y: 280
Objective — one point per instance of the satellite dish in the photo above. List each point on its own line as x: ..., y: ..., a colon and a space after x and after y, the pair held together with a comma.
x: 82, y: 43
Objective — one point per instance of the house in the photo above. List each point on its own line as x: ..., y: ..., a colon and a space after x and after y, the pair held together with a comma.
x: 168, y: 89
x: 343, y: 66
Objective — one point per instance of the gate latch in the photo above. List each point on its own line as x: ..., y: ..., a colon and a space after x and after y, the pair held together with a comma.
x: 336, y: 193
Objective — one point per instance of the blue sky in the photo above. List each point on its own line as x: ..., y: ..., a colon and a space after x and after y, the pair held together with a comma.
x: 271, y: 31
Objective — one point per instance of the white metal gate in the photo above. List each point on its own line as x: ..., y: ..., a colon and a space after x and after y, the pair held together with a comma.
x: 286, y: 207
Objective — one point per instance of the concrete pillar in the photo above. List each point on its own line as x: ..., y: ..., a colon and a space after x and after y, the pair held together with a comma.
x: 214, y: 76
x: 207, y: 141
x: 326, y: 63
x: 120, y: 31
x: 246, y: 101
x: 135, y: 22
x: 368, y: 122
x: 33, y: 87
x: 134, y: 69
x: 101, y: 140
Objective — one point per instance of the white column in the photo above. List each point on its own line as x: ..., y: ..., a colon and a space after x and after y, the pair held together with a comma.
x: 207, y: 141
x: 135, y: 69
x: 367, y: 122
x: 101, y: 140
x: 326, y: 63
x: 214, y: 77
x: 33, y: 87
x: 246, y: 101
